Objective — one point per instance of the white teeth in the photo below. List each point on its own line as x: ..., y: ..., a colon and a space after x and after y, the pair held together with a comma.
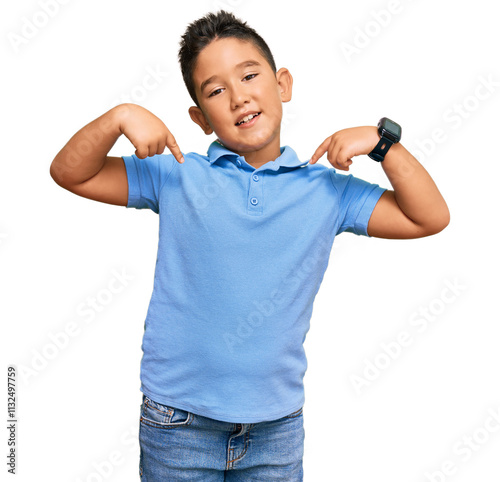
x: 247, y: 118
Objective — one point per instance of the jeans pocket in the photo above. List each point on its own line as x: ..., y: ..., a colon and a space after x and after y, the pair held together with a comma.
x: 157, y: 415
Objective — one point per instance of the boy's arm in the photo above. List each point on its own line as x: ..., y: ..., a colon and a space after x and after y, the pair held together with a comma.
x: 414, y: 209
x: 83, y: 167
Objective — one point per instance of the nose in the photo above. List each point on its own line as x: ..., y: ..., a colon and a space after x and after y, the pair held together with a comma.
x: 239, y: 96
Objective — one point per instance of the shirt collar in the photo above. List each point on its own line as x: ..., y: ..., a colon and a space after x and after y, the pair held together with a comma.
x: 288, y: 157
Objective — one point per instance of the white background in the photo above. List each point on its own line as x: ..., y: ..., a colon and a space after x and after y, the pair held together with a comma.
x: 78, y: 411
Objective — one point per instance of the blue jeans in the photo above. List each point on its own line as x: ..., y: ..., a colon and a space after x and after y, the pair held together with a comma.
x: 178, y: 445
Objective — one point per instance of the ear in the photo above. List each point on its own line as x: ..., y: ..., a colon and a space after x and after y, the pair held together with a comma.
x: 198, y: 117
x: 285, y: 83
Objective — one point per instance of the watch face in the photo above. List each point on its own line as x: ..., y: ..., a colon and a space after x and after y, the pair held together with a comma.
x: 390, y: 129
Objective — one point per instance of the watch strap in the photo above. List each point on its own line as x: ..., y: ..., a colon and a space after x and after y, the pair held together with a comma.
x: 380, y: 150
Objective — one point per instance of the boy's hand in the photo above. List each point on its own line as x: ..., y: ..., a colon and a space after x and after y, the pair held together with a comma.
x: 147, y: 133
x: 345, y: 144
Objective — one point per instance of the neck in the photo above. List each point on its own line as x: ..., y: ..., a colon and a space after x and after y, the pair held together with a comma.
x: 259, y: 157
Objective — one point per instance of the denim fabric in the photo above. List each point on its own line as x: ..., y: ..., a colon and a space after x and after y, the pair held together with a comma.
x: 176, y: 445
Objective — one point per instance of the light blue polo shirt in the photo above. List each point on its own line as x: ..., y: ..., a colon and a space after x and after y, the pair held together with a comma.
x: 241, y: 255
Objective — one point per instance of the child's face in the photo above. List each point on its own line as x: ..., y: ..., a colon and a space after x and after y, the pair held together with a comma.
x: 232, y: 79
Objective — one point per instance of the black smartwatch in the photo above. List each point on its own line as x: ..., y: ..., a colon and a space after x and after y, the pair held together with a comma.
x: 390, y: 133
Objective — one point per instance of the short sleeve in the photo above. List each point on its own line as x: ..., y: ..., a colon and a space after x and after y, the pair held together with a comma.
x: 146, y: 178
x: 357, y: 199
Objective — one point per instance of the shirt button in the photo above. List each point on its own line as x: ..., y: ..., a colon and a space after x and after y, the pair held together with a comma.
x: 254, y: 201
x: 255, y: 177
x: 238, y: 162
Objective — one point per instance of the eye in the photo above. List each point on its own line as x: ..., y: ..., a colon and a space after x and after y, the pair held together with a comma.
x: 250, y: 75
x: 215, y: 92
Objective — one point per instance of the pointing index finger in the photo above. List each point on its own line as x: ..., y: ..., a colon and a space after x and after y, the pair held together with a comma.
x: 320, y: 150
x: 174, y: 148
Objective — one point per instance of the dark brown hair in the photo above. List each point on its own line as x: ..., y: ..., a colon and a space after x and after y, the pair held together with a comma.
x: 211, y: 27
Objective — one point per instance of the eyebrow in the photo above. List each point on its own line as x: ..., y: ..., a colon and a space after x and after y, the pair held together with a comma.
x: 246, y: 63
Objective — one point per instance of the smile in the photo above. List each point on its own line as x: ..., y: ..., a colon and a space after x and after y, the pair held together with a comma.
x: 248, y: 119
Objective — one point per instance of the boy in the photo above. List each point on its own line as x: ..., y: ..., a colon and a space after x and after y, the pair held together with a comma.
x: 223, y: 360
